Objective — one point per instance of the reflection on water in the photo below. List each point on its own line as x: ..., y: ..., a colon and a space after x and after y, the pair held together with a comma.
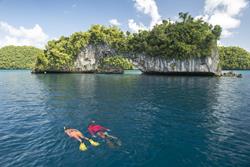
x: 161, y: 121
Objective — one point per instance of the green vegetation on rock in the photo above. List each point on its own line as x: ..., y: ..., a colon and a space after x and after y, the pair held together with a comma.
x: 117, y: 62
x: 60, y: 54
x: 234, y: 58
x: 19, y: 57
x: 182, y: 39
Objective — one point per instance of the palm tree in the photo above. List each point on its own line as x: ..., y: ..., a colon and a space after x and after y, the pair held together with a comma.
x: 185, y: 17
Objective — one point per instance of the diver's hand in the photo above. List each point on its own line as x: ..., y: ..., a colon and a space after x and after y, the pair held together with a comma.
x: 94, y: 136
x: 108, y: 130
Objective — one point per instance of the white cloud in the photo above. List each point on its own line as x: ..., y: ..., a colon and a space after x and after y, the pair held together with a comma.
x: 147, y: 7
x: 114, y: 22
x: 135, y: 27
x: 10, y: 35
x: 224, y: 13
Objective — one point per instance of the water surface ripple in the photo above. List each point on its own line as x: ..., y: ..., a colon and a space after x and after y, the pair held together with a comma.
x: 162, y: 121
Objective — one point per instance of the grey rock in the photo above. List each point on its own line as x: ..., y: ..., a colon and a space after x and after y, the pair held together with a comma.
x: 231, y: 74
x: 193, y: 65
x: 88, y: 60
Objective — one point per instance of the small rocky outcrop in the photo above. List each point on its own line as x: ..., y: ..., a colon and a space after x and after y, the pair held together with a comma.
x: 231, y: 74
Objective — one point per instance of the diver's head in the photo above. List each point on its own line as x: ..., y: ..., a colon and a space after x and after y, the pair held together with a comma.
x: 65, y: 128
x: 91, y: 123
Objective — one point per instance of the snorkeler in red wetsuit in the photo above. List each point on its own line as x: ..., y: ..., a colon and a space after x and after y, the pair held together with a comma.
x: 98, y: 129
x: 102, y: 132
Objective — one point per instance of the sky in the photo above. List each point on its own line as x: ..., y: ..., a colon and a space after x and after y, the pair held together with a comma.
x: 34, y: 22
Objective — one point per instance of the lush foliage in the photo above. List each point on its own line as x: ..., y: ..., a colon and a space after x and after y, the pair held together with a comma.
x: 180, y: 40
x: 117, y: 62
x: 234, y: 58
x: 19, y: 57
x: 62, y: 53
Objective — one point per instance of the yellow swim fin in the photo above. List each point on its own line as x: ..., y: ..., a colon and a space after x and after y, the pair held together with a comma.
x: 83, y: 147
x: 94, y: 143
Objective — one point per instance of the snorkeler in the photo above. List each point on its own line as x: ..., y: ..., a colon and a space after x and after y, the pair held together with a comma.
x: 94, y: 129
x: 76, y: 134
x: 102, y: 132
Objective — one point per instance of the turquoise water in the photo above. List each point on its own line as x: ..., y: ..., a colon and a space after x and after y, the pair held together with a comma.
x: 243, y: 72
x: 134, y: 72
x: 161, y: 121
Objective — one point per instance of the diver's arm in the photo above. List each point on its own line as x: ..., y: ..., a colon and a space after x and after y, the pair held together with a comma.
x: 91, y: 132
x: 103, y: 128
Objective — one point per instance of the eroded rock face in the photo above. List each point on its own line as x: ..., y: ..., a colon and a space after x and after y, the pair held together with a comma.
x: 89, y: 58
x: 209, y: 65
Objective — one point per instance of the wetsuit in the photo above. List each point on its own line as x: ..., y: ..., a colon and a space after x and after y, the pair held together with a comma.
x: 94, y: 129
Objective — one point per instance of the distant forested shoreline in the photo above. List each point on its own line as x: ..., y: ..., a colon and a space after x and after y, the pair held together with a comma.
x: 19, y: 57
x: 234, y: 58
